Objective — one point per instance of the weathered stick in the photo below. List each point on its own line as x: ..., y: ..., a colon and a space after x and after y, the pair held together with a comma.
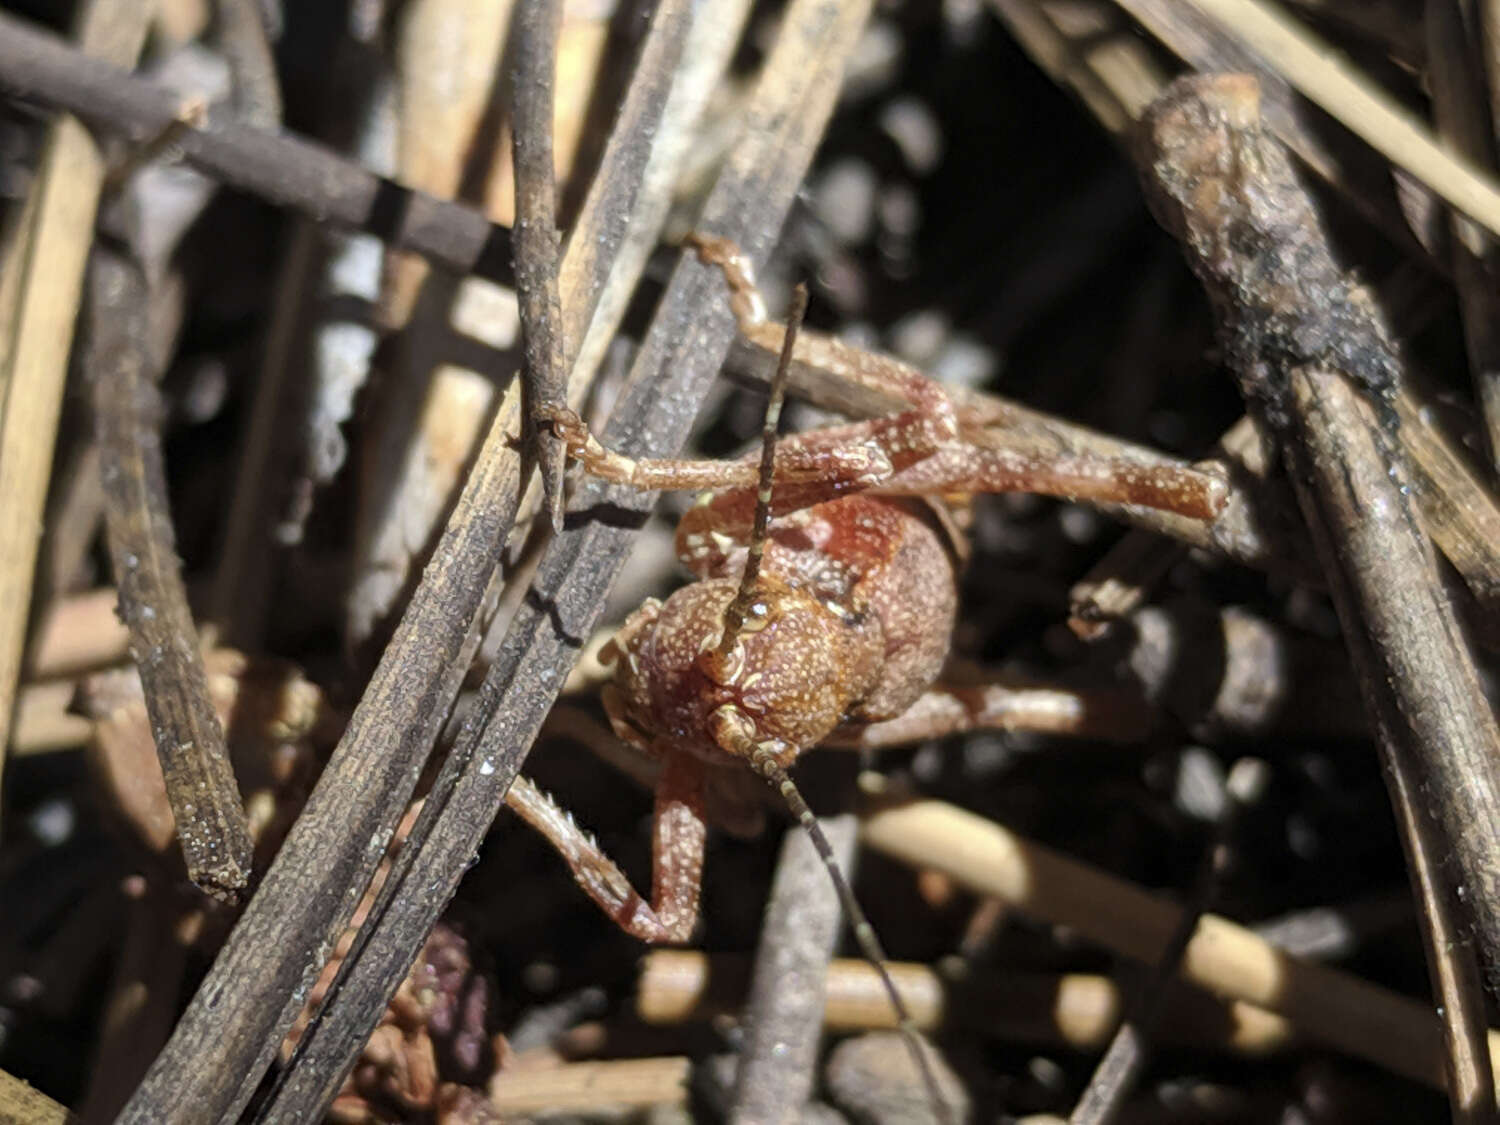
x: 545, y: 374
x: 1314, y: 359
x: 211, y: 826
x: 279, y: 167
x: 784, y: 1011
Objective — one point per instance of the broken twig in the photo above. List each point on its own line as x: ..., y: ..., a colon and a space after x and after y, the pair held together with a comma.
x: 211, y: 826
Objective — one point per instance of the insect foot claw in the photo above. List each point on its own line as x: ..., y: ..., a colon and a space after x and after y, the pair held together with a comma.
x: 566, y: 424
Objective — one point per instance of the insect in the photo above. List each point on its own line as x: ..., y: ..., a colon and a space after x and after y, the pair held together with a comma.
x: 825, y: 599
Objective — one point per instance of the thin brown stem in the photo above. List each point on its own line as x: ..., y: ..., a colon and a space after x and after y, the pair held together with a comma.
x: 206, y: 803
x: 537, y: 24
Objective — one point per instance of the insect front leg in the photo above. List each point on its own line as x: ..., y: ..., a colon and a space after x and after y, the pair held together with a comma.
x: 849, y: 465
x: 678, y: 836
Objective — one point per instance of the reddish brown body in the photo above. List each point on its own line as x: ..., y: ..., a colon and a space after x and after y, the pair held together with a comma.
x: 852, y: 624
x: 847, y: 620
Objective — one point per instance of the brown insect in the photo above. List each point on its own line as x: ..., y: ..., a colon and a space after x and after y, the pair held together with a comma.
x: 823, y: 604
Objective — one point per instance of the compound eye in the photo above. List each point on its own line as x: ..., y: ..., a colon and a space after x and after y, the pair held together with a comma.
x: 757, y: 616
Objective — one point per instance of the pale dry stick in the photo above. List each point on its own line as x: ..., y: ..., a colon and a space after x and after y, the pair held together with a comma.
x: 41, y: 722
x: 1072, y: 1010
x: 76, y: 634
x: 1327, y: 78
x: 1314, y: 359
x: 41, y: 282
x: 784, y: 1010
x: 1365, y: 1020
x: 1460, y: 112
x: 243, y: 38
x: 26, y: 1105
x: 448, y: 87
x: 584, y: 1086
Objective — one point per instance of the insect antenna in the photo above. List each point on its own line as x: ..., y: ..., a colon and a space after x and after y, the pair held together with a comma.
x: 744, y: 599
x: 864, y: 933
x: 762, y: 761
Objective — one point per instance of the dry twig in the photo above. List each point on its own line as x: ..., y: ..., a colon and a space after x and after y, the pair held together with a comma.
x: 40, y: 285
x: 279, y: 167
x: 1075, y: 1010
x: 206, y: 804
x: 680, y: 356
x: 784, y: 1012
x: 1367, y: 1021
x: 581, y: 1087
x: 547, y: 349
x: 1308, y: 348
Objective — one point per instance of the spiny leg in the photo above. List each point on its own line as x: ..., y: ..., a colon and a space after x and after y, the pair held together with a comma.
x: 1110, y: 714
x: 963, y: 467
x: 678, y: 833
x: 859, y: 464
x: 882, y: 374
x: 958, y: 466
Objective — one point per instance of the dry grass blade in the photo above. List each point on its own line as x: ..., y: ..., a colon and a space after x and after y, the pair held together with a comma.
x: 206, y: 804
x: 41, y: 281
x: 1076, y: 1010
x: 581, y: 1087
x: 1309, y: 351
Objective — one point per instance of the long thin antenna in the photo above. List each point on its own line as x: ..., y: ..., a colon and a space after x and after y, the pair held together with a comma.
x: 734, y: 614
x: 864, y: 933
